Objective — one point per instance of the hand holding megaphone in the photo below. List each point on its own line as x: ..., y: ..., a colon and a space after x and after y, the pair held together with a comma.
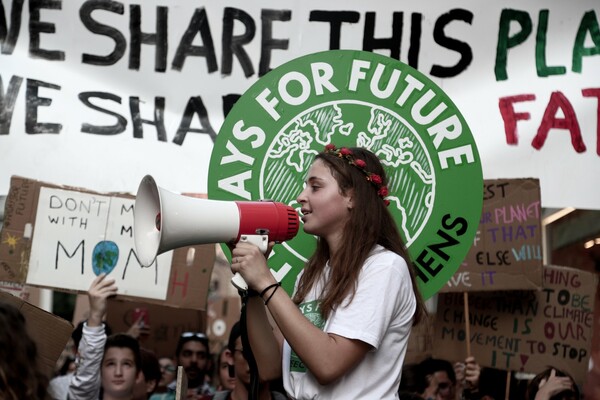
x: 165, y: 220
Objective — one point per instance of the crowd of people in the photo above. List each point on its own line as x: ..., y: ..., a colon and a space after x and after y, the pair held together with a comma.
x: 336, y: 337
x: 114, y: 366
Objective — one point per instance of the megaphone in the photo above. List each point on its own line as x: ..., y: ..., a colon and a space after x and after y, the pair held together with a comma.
x: 164, y: 220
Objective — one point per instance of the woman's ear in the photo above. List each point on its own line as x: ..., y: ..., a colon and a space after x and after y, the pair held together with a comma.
x: 350, y: 199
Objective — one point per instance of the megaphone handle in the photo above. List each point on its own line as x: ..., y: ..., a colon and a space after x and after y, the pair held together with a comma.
x: 239, y: 282
x: 262, y: 241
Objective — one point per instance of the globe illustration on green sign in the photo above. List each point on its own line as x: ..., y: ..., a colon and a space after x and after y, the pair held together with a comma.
x: 400, y: 149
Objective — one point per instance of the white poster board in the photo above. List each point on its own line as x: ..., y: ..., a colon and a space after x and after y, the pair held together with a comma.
x: 147, y: 84
x: 79, y: 235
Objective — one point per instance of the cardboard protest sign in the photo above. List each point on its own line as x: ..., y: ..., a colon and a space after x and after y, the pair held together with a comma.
x: 166, y: 323
x: 62, y: 237
x: 28, y: 293
x: 17, y: 227
x: 357, y: 99
x: 50, y: 332
x: 523, y: 330
x: 507, y: 250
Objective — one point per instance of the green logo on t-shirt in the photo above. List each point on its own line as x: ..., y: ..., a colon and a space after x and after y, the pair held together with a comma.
x: 355, y: 98
x: 312, y: 312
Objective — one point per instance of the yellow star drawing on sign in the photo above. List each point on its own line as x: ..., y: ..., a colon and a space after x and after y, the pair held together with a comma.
x: 11, y: 241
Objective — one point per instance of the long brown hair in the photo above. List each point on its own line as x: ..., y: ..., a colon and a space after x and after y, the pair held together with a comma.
x: 370, y: 223
x: 21, y: 376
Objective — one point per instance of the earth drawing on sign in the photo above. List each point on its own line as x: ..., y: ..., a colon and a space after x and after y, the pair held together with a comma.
x: 411, y: 180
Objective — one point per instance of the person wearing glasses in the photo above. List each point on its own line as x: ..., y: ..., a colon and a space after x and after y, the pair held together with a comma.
x: 168, y: 371
x: 240, y: 370
x: 344, y: 332
x: 192, y: 353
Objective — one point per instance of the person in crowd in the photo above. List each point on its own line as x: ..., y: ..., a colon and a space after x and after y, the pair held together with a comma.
x: 121, y: 368
x: 108, y: 365
x: 58, y: 388
x: 225, y: 372
x: 447, y: 381
x: 441, y: 379
x: 467, y: 378
x: 552, y: 384
x: 21, y: 374
x: 344, y: 333
x: 66, y: 361
x: 152, y: 375
x: 85, y: 383
x: 168, y: 371
x: 192, y: 353
x: 239, y: 369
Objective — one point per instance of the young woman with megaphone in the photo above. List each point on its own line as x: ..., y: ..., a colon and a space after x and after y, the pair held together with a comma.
x: 344, y: 332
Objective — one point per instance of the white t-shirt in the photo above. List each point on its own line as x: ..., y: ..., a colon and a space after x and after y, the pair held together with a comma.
x: 380, y: 314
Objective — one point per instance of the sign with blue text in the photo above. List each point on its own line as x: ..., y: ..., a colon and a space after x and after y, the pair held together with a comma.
x: 507, y: 248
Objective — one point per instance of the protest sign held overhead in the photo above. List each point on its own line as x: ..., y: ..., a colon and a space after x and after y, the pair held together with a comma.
x: 62, y: 237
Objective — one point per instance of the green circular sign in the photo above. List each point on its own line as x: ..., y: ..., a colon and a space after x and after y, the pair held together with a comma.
x: 355, y: 98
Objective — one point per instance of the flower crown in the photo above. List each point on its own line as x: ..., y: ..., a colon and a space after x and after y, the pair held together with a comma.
x: 376, y: 180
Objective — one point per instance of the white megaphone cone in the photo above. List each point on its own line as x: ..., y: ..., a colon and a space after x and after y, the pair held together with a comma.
x: 164, y: 221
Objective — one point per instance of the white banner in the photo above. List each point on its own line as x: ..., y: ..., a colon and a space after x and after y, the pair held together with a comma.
x: 98, y: 94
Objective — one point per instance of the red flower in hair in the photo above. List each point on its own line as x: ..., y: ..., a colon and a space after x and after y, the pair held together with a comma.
x: 376, y: 179
x: 386, y: 202
x: 346, y: 154
x: 360, y: 163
